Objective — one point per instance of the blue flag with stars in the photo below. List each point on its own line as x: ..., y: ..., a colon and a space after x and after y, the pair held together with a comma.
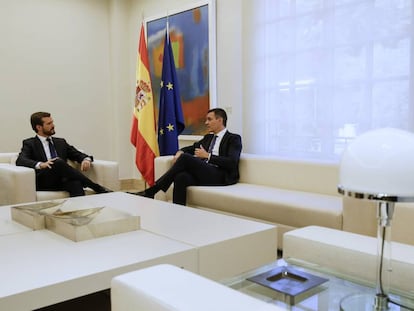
x: 170, y: 118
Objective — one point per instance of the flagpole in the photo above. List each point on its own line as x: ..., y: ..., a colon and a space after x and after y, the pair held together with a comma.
x: 168, y: 26
x: 145, y: 31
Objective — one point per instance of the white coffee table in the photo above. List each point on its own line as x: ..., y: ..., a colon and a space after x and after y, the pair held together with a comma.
x: 40, y: 268
x: 8, y: 226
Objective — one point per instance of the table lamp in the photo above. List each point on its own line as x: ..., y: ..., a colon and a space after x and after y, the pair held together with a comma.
x: 378, y: 165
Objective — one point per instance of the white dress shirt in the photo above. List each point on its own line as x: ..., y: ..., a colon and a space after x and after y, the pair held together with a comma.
x: 219, y: 138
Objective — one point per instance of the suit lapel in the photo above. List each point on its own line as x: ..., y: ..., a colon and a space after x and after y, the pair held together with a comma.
x: 58, y: 146
x: 41, y: 154
x: 223, y: 143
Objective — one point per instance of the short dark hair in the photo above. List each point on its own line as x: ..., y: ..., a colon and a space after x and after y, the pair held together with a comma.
x: 36, y: 119
x: 220, y: 113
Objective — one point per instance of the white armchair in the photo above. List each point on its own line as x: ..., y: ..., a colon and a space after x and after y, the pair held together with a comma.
x: 161, y: 165
x: 17, y: 183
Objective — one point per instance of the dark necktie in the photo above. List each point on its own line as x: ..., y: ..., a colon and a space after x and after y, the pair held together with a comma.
x: 53, y: 153
x: 212, y: 143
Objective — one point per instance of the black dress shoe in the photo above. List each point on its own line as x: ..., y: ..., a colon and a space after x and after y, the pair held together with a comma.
x: 102, y: 189
x: 143, y: 194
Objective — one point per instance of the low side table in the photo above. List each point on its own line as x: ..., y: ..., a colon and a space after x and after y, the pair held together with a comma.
x: 325, y: 297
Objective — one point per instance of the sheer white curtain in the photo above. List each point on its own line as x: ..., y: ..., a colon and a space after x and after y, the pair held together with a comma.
x: 320, y: 72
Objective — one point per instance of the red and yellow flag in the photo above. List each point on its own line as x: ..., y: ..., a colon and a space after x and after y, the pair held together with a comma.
x: 143, y: 131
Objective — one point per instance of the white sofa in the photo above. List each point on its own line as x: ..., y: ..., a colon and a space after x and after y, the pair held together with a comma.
x: 287, y: 193
x: 169, y: 288
x: 17, y: 183
x: 292, y: 194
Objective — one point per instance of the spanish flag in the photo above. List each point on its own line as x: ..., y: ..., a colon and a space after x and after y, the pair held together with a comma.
x: 143, y: 131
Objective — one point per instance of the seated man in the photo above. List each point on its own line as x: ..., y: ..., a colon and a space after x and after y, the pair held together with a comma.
x: 48, y: 157
x: 213, y: 161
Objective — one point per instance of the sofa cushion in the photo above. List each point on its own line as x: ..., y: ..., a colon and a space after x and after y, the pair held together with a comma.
x: 55, y: 195
x: 166, y: 287
x: 291, y: 208
x: 316, y: 177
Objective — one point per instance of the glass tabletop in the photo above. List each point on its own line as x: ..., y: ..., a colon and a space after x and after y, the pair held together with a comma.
x: 326, y: 296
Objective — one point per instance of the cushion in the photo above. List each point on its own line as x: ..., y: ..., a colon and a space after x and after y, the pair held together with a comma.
x: 166, y: 287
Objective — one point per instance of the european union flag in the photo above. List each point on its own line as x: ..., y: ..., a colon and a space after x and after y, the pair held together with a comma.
x: 170, y: 118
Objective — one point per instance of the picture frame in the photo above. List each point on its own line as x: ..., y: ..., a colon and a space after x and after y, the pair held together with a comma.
x: 192, y: 32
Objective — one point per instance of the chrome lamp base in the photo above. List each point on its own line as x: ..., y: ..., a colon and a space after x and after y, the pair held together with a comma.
x: 367, y: 302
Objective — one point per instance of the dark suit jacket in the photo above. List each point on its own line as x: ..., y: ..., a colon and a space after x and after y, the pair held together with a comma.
x: 229, y: 154
x: 32, y: 152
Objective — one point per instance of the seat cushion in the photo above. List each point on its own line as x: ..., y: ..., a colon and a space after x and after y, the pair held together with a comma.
x: 291, y: 208
x: 166, y: 287
x: 54, y: 195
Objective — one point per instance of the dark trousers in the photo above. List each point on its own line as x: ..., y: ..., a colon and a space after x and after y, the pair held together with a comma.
x: 62, y: 176
x: 189, y: 171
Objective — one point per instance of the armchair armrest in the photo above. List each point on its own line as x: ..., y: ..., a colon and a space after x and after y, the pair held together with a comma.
x: 8, y: 157
x: 17, y: 184
x: 105, y: 173
x: 161, y: 165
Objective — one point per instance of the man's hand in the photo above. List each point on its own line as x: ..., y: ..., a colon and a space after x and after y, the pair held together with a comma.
x: 201, y: 153
x: 47, y: 164
x: 85, y: 165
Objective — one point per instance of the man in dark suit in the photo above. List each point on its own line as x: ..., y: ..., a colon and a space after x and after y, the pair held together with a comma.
x: 49, y: 159
x: 212, y: 161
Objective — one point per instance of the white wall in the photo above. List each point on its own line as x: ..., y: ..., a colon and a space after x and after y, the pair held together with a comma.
x: 123, y: 57
x: 76, y: 59
x: 55, y: 58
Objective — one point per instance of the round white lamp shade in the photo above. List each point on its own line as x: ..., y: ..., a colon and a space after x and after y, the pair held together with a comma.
x: 379, y: 162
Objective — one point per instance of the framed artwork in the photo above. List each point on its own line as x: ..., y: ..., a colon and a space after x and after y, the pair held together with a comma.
x: 192, y: 35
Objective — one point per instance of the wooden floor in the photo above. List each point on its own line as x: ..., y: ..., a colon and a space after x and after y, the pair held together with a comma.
x: 100, y: 301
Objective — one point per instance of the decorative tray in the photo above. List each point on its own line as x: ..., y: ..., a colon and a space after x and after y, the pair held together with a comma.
x: 75, y: 220
x: 288, y: 281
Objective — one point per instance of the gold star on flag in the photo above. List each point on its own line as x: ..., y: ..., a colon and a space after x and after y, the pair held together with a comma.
x: 169, y: 86
x: 162, y: 83
x: 170, y: 127
x: 161, y: 131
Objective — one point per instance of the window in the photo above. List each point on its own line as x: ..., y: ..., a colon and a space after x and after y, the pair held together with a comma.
x: 325, y: 71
